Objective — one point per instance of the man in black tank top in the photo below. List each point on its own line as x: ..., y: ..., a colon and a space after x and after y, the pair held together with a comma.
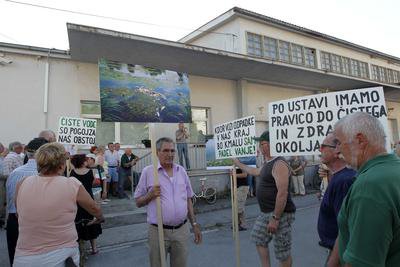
x: 276, y: 205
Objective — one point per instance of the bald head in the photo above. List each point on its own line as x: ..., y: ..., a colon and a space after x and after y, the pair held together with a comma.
x: 128, y: 151
x: 49, y: 135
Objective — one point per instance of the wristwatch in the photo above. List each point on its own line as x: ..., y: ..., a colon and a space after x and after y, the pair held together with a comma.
x: 275, y: 217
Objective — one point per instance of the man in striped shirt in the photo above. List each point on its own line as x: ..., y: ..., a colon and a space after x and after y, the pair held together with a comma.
x: 16, y: 176
x: 13, y: 159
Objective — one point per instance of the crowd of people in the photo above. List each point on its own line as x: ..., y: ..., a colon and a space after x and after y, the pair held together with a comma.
x: 51, y: 206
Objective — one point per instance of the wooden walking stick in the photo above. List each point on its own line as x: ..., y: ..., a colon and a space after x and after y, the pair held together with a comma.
x: 158, y: 201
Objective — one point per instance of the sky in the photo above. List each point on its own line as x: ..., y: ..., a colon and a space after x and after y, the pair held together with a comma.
x: 373, y: 24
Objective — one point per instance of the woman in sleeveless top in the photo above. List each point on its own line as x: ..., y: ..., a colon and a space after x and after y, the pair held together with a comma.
x: 46, y: 206
x: 86, y: 177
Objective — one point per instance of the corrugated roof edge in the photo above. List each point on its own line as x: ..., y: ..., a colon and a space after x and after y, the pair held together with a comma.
x: 35, y: 48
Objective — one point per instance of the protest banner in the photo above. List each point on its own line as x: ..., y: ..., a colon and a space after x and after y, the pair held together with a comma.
x: 298, y: 126
x: 223, y: 164
x: 236, y: 138
x: 76, y: 131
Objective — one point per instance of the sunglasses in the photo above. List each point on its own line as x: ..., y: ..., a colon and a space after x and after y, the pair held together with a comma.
x: 327, y: 145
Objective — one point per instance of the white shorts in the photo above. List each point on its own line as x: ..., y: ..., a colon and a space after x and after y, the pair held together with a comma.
x: 55, y: 258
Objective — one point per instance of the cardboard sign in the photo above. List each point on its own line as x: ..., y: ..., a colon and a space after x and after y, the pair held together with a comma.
x: 76, y: 131
x: 298, y: 126
x: 235, y: 138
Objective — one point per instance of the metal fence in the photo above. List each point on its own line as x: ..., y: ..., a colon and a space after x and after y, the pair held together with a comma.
x: 197, y: 157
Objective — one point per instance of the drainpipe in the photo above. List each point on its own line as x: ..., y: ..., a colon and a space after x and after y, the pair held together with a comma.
x: 46, y: 90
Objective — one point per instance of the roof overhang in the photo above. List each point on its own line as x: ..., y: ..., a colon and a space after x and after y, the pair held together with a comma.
x: 88, y: 44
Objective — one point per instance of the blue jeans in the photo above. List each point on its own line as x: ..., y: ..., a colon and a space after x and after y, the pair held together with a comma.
x: 113, y: 173
x: 183, y: 149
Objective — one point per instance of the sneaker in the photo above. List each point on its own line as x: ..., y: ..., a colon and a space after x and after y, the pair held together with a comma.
x: 104, y: 202
x: 107, y: 200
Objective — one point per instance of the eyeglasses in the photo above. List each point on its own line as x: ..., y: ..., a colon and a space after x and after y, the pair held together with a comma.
x: 327, y: 145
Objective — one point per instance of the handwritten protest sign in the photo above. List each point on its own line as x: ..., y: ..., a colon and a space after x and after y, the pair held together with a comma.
x: 298, y: 126
x: 76, y: 131
x: 235, y: 138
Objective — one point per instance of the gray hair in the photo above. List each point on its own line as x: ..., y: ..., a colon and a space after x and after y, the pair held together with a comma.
x: 12, y: 146
x: 49, y: 135
x: 364, y: 123
x: 161, y: 141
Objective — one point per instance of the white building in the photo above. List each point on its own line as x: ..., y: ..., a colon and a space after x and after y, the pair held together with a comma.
x: 237, y: 64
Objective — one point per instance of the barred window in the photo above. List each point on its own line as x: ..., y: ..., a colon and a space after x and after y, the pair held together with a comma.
x: 389, y: 75
x: 270, y: 48
x: 363, y: 69
x: 336, y: 63
x: 354, y: 67
x: 254, y: 46
x: 382, y: 76
x: 325, y: 61
x: 297, y: 54
x: 396, y: 76
x: 309, y: 57
x: 375, y: 73
x: 346, y: 65
x: 284, y: 53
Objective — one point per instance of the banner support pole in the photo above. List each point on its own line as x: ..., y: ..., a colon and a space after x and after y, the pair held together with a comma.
x: 158, y: 201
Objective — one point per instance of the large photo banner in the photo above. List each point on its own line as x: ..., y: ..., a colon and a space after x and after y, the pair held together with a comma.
x: 76, y: 131
x: 134, y: 93
x: 298, y: 126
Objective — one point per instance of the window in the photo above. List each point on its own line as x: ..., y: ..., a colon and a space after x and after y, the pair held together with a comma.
x: 200, y: 118
x: 382, y: 76
x: 363, y: 69
x: 375, y: 73
x: 105, y: 131
x: 133, y: 133
x: 346, y: 65
x: 254, y: 46
x: 284, y: 53
x: 309, y: 57
x: 90, y: 108
x: 336, y: 66
x: 297, y: 54
x: 270, y: 48
x: 389, y: 75
x: 396, y: 76
x: 354, y: 67
x: 325, y: 61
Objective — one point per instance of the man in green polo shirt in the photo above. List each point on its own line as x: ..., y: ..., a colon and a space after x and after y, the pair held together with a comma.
x: 369, y: 219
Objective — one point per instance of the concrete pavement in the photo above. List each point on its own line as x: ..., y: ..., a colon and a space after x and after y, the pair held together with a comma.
x: 116, y: 239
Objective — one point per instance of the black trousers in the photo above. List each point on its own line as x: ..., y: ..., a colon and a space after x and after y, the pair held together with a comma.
x: 12, y: 235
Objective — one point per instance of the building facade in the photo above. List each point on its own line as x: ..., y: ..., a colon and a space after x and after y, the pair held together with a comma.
x: 237, y: 64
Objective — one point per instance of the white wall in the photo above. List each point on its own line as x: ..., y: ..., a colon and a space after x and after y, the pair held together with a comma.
x: 226, y: 42
x: 21, y: 98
